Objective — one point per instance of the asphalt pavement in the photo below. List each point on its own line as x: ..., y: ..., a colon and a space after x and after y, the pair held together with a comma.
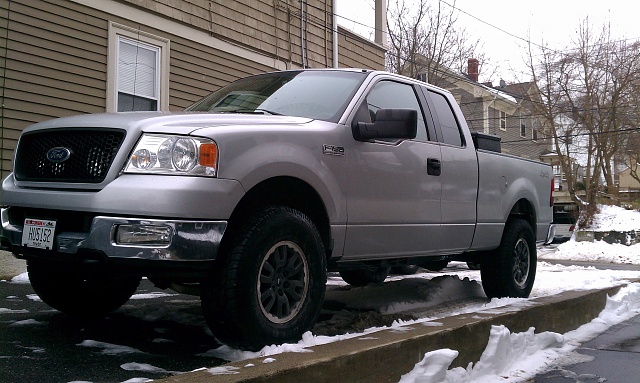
x: 28, y: 345
x: 612, y: 357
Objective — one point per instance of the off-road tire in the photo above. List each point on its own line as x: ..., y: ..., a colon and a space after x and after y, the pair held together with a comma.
x: 65, y: 288
x: 511, y: 270
x: 365, y: 276
x: 270, y: 287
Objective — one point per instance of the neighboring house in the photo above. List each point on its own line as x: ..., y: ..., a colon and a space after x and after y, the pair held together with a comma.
x: 629, y: 187
x: 65, y: 57
x: 505, y: 111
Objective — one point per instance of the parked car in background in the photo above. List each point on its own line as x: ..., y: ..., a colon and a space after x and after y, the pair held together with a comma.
x: 565, y: 225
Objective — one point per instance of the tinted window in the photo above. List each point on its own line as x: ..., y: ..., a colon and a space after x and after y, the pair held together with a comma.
x: 392, y: 95
x: 448, y: 123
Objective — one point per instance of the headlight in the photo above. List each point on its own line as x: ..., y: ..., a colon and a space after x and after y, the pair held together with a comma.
x: 164, y: 154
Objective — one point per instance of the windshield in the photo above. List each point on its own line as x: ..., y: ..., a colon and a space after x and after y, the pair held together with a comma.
x: 322, y: 95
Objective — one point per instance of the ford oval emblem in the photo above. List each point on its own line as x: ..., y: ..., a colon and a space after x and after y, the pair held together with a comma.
x: 58, y: 154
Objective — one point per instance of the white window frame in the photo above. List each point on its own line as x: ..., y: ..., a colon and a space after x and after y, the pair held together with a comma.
x: 503, y: 120
x: 147, y: 40
x: 523, y: 127
x: 534, y: 134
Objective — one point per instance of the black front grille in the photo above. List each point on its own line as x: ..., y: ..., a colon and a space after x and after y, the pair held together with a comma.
x: 91, y: 154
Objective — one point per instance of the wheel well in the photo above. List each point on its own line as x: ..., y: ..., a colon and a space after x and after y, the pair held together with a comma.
x: 523, y: 209
x: 281, y: 191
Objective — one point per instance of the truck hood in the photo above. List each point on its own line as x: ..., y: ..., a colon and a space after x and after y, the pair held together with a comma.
x: 166, y: 122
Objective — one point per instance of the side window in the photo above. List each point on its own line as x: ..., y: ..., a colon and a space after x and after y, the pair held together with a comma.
x: 448, y: 123
x: 388, y: 95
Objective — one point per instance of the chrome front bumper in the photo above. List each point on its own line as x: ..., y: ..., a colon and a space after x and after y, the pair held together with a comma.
x: 189, y: 240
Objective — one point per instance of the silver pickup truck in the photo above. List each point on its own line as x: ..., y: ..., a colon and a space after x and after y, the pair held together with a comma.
x: 250, y: 196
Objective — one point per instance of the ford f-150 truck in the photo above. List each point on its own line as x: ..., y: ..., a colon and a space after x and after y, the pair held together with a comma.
x: 253, y: 194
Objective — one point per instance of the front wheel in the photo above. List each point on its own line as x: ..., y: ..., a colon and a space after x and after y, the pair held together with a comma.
x: 511, y: 270
x: 270, y: 287
x: 66, y: 289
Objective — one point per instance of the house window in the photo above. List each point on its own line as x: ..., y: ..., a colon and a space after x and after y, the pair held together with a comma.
x: 138, y: 70
x: 137, y: 76
x: 503, y: 120
x: 534, y: 134
x: 523, y: 127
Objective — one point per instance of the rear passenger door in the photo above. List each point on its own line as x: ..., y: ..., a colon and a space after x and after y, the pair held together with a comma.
x: 459, y: 176
x: 393, y: 200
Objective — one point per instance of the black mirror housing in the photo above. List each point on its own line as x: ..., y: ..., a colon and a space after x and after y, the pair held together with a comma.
x: 389, y: 124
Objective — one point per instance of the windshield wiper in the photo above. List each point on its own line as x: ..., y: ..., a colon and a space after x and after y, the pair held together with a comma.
x: 253, y: 111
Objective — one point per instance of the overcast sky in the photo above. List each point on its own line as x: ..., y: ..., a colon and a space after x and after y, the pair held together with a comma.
x: 554, y: 21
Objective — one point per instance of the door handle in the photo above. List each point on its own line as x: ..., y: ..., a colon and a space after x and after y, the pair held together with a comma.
x: 434, y: 167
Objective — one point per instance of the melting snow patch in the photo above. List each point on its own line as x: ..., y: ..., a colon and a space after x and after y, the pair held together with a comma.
x: 268, y: 360
x: 138, y: 380
x: 108, y: 348
x: 132, y: 366
x: 26, y: 322
x: 151, y: 295
x: 22, y: 278
x: 11, y: 311
x: 34, y: 297
x: 224, y: 370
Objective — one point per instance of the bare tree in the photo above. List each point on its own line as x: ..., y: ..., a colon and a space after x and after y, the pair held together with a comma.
x: 426, y: 38
x: 592, y: 85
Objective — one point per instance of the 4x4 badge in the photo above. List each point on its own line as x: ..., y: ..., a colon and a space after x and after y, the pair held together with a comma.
x: 58, y: 154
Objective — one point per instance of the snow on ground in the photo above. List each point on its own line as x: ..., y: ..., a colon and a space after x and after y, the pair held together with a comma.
x: 616, y: 218
x: 516, y: 357
x: 430, y: 296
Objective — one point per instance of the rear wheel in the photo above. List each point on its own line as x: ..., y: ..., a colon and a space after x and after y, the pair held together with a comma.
x: 65, y: 288
x: 271, y: 286
x: 365, y: 276
x: 511, y: 270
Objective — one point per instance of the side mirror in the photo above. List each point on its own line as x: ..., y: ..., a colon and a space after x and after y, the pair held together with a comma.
x: 390, y: 124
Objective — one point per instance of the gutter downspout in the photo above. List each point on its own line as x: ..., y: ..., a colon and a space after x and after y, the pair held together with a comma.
x: 335, y: 33
x: 303, y: 45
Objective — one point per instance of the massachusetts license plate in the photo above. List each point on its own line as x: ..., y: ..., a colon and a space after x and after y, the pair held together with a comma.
x: 38, y: 233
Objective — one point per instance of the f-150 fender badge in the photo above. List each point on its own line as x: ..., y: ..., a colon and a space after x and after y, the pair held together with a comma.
x: 333, y: 150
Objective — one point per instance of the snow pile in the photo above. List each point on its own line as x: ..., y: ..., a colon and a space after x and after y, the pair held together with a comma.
x: 516, y: 357
x: 610, y: 218
x: 598, y: 251
x: 615, y: 218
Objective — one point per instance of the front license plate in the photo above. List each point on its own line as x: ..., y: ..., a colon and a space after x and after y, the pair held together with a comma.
x: 38, y: 233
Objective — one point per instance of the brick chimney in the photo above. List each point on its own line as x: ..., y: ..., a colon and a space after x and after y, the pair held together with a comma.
x: 472, y: 69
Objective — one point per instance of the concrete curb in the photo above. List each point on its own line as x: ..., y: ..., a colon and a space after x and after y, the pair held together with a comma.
x: 386, y: 355
x: 11, y: 266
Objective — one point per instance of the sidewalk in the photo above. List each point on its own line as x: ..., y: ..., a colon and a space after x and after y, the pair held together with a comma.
x: 616, y: 358
x: 11, y: 266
